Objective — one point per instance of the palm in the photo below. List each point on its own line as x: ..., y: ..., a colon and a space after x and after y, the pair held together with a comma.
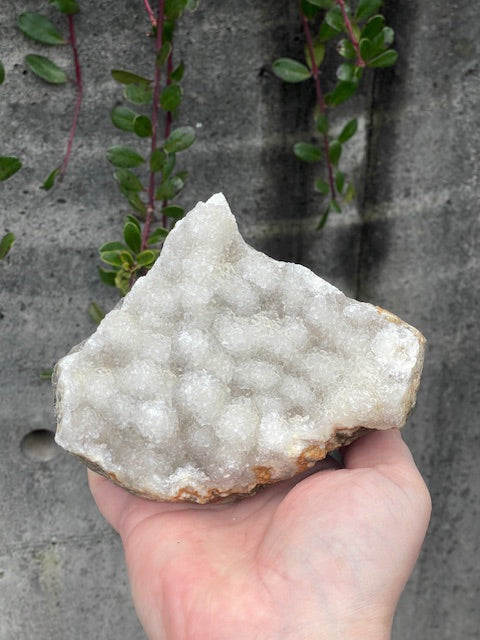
x: 299, y: 555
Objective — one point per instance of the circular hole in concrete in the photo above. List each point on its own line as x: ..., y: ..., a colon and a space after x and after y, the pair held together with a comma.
x: 39, y: 446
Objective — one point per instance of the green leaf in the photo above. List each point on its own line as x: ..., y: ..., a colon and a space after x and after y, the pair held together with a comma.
x: 2, y: 72
x: 46, y: 69
x: 132, y: 236
x: 378, y: 44
x: 318, y: 53
x: 123, y: 118
x: 335, y: 152
x: 290, y: 70
x: 107, y: 276
x: 308, y: 10
x: 134, y: 221
x: 175, y: 8
x: 385, y: 59
x: 307, y: 152
x: 127, y: 260
x: 323, y: 220
x: 169, y: 165
x: 138, y: 93
x: 349, y: 194
x: 339, y: 181
x: 128, y: 180
x: 171, y: 97
x: 39, y: 28
x: 174, y: 211
x: 68, y: 7
x: 326, y: 33
x: 136, y: 202
x: 342, y: 92
x: 112, y: 246
x: 334, y: 19
x: 158, y: 235
x: 322, y: 123
x: 127, y: 77
x: 182, y: 175
x: 387, y: 36
x: 367, y: 8
x: 346, y: 49
x: 323, y: 4
x: 147, y: 258
x: 111, y: 257
x: 162, y: 55
x: 95, y: 312
x: 50, y: 179
x: 168, y: 29
x: 335, y: 206
x: 322, y: 186
x: 122, y: 281
x: 45, y: 374
x: 373, y: 27
x: 179, y: 139
x: 348, y: 130
x: 169, y: 188
x: 177, y: 73
x: 346, y: 71
x: 192, y: 5
x: 367, y: 49
x: 124, y: 157
x: 142, y: 126
x: 6, y: 244
x: 357, y: 73
x: 8, y: 166
x: 158, y: 160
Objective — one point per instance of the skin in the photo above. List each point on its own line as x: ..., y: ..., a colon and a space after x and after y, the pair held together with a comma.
x: 324, y: 555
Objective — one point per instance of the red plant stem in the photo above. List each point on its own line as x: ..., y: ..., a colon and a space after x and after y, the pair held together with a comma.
x: 155, y: 109
x: 320, y: 100
x: 78, y: 102
x: 168, y: 120
x: 351, y: 35
x: 148, y: 9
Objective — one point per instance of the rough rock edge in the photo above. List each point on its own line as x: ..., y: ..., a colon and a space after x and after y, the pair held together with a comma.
x: 309, y: 456
x: 416, y: 374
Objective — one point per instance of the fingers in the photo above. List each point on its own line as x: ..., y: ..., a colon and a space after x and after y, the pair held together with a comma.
x: 112, y: 501
x: 375, y: 448
x: 386, y: 449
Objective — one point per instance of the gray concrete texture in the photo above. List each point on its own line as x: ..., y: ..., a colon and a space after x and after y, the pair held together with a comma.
x: 410, y: 245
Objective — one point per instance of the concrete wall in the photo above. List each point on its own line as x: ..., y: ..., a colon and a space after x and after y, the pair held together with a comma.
x: 411, y: 246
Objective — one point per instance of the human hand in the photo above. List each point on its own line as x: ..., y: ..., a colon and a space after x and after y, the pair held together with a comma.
x: 323, y: 555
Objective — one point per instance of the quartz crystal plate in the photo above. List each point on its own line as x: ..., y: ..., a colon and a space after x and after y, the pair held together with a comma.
x: 224, y: 369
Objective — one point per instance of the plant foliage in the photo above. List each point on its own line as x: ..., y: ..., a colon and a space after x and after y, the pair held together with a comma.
x: 362, y: 41
x: 145, y: 168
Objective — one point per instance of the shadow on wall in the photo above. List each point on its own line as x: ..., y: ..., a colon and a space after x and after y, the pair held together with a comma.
x: 388, y: 99
x: 285, y: 109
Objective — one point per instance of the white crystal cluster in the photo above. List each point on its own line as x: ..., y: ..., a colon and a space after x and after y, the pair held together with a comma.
x: 223, y: 365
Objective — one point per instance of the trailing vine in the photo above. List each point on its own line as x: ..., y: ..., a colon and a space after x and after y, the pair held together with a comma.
x: 9, y: 165
x: 363, y: 41
x: 149, y: 196
x: 152, y: 214
x: 148, y: 178
x: 40, y: 29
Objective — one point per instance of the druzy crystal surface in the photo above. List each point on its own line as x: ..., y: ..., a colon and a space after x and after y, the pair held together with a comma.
x: 223, y: 369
